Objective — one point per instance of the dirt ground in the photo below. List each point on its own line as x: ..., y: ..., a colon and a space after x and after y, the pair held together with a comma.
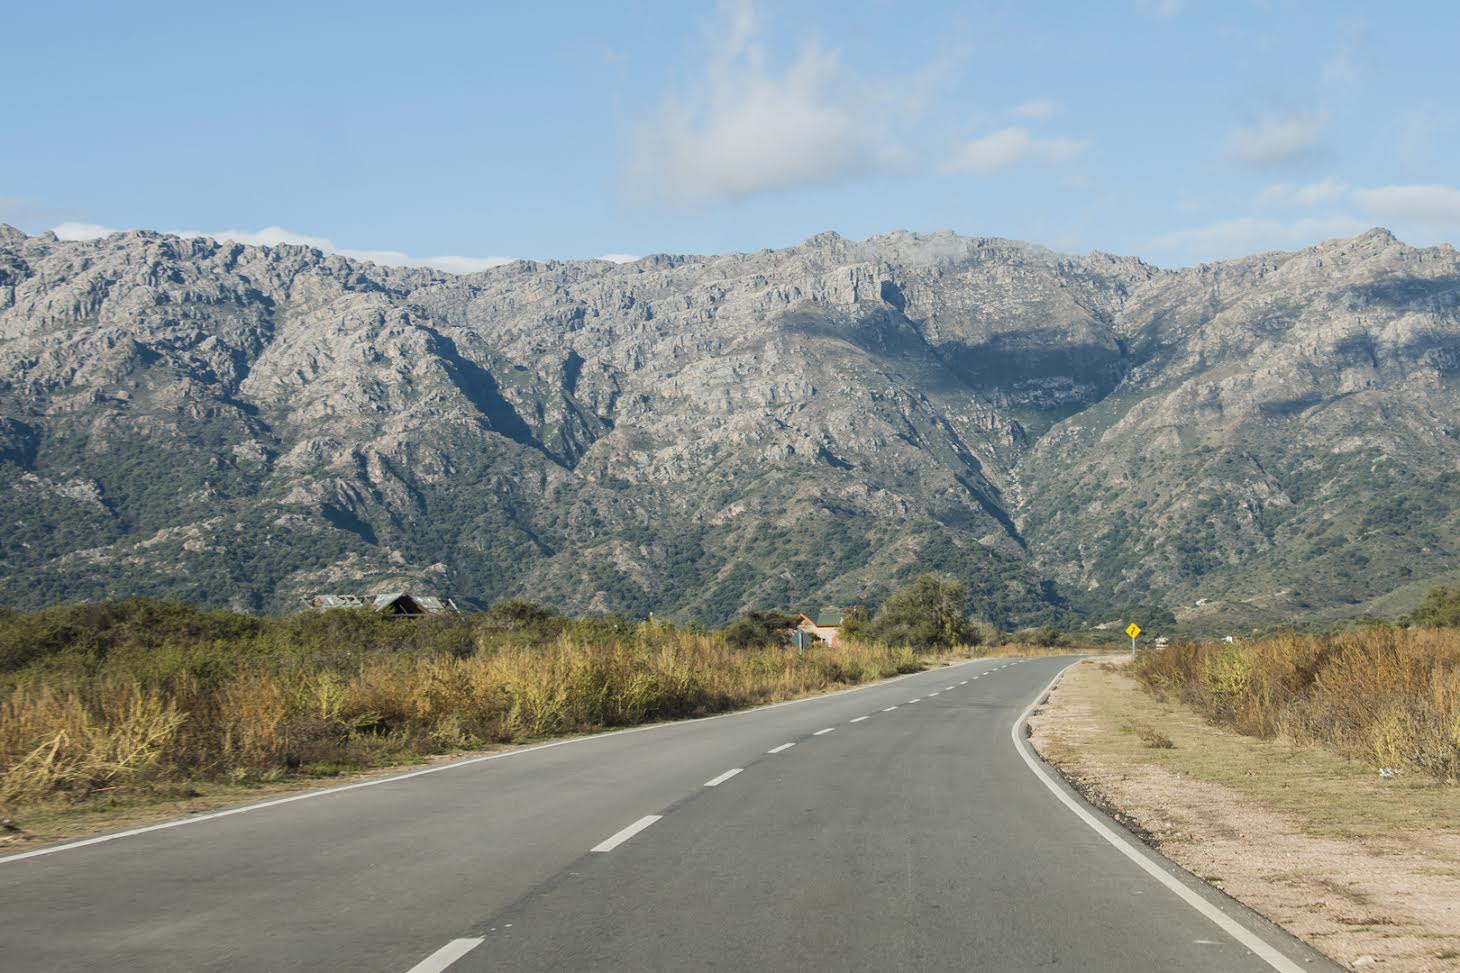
x: 1364, y: 869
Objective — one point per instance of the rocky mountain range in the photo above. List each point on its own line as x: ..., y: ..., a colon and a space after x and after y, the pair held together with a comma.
x: 1258, y: 439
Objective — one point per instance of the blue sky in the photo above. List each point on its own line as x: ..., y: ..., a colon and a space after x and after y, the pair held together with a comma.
x: 453, y: 134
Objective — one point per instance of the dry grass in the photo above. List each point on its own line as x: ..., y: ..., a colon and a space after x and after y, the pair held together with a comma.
x: 79, y: 739
x: 1389, y: 697
x: 110, y: 705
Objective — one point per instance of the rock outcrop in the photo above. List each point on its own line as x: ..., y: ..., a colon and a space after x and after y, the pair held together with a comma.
x: 697, y: 435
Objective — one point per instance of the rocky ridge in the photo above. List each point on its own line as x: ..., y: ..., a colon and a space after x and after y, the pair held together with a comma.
x: 698, y: 435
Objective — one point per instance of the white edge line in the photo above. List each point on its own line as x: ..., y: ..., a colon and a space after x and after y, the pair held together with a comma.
x: 820, y: 732
x: 1231, y: 926
x: 612, y: 842
x: 453, y: 765
x: 784, y: 746
x: 723, y: 777
x: 857, y: 719
x: 445, y: 956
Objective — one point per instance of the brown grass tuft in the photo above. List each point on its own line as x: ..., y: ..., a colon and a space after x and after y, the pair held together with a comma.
x: 1384, y: 695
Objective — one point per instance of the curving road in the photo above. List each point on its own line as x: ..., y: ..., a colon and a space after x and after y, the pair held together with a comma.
x: 903, y: 825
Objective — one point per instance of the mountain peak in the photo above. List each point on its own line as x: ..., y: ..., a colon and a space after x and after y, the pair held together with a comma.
x: 9, y: 234
x: 1018, y: 417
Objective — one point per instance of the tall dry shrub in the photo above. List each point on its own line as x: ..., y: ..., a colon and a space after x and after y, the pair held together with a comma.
x: 77, y: 743
x: 1385, y: 695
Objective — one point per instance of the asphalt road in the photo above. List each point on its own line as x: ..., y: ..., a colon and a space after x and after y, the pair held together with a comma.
x: 894, y: 827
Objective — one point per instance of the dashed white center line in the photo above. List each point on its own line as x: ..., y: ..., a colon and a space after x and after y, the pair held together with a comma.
x: 723, y: 777
x: 820, y: 732
x: 918, y: 700
x: 930, y: 695
x: 947, y: 689
x: 611, y: 843
x: 445, y: 956
x: 889, y: 709
x: 964, y: 683
x: 784, y: 746
x: 858, y: 719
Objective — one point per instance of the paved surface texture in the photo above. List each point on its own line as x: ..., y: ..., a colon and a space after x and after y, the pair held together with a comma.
x: 908, y: 838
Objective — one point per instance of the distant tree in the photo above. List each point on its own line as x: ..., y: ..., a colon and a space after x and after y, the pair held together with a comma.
x: 926, y: 614
x: 1148, y: 617
x: 1046, y: 636
x: 516, y: 615
x: 1440, y: 609
x: 759, y: 628
x: 855, y: 622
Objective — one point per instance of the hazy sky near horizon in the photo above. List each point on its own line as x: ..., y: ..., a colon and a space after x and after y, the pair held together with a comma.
x: 457, y: 134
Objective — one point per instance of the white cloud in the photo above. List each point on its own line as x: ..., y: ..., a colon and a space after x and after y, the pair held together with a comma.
x: 620, y: 258
x: 272, y: 236
x: 82, y: 231
x: 1013, y: 146
x: 1432, y: 204
x: 1036, y: 109
x: 1247, y: 235
x: 1313, y: 194
x: 748, y: 128
x: 1277, y: 139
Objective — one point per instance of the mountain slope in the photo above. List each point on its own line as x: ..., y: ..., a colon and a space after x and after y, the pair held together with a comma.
x: 698, y: 435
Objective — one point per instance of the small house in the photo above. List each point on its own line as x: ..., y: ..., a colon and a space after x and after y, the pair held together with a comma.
x: 824, y: 625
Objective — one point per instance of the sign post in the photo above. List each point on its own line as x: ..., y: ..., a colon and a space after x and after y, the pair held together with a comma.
x: 1133, y: 630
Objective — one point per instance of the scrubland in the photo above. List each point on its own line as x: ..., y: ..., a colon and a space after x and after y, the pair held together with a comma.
x: 119, y: 702
x: 1383, y: 695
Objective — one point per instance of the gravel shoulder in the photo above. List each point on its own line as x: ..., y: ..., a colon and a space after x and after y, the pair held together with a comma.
x: 1364, y: 869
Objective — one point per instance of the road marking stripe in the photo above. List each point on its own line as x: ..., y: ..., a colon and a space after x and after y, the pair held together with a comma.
x: 820, y: 732
x: 889, y: 709
x: 918, y: 700
x: 784, y: 746
x: 445, y: 956
x: 723, y: 777
x: 439, y: 768
x: 858, y: 719
x: 1237, y: 930
x: 609, y: 844
x: 932, y: 694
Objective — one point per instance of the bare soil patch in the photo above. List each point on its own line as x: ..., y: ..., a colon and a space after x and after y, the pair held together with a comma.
x: 1366, y: 870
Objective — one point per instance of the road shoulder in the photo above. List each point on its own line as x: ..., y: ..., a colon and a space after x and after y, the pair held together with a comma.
x: 1367, y: 871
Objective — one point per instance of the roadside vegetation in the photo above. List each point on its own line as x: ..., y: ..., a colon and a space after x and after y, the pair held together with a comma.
x: 121, y: 701
x: 1386, y: 695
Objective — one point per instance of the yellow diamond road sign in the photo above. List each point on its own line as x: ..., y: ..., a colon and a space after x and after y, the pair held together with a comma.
x: 1134, y: 630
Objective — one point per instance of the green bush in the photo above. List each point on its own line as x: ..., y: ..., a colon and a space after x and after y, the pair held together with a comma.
x: 1440, y: 609
x: 759, y: 628
x: 927, y: 614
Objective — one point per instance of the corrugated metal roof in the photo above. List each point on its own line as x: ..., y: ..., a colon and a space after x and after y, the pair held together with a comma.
x: 829, y: 617
x: 429, y: 604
